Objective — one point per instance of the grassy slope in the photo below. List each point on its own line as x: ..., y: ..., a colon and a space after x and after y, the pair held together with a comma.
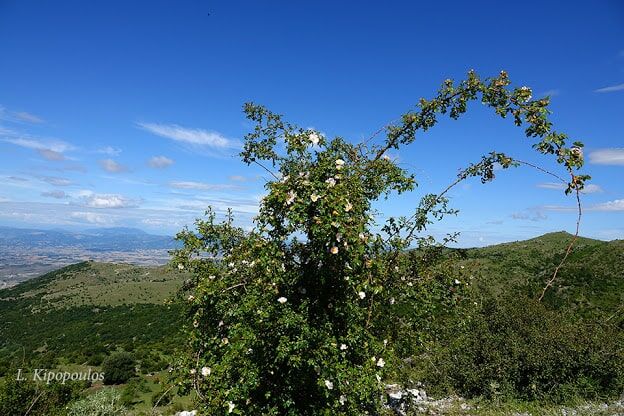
x: 591, y: 280
x: 89, y: 307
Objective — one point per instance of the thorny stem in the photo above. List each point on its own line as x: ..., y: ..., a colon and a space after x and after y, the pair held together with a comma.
x: 463, y: 175
x: 551, y: 281
x: 33, y: 403
x: 160, y: 398
x: 195, y: 384
x: 267, y: 169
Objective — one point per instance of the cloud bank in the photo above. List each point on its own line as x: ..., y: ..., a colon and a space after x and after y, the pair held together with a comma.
x: 198, y: 137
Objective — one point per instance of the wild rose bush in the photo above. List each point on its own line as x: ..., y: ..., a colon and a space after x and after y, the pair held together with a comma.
x: 302, y: 314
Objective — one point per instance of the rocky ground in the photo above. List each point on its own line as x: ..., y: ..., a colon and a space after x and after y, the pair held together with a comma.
x: 408, y: 402
x: 412, y: 402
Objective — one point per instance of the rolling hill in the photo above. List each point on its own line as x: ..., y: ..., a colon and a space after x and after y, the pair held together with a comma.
x: 124, y: 306
x: 80, y: 312
x: 591, y: 280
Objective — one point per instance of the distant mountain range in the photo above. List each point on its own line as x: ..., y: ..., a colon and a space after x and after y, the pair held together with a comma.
x: 101, y: 239
x: 26, y: 253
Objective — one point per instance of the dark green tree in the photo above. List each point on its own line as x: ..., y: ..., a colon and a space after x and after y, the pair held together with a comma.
x: 118, y: 368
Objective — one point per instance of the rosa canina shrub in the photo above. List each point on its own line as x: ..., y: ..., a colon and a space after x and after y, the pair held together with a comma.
x: 301, y: 314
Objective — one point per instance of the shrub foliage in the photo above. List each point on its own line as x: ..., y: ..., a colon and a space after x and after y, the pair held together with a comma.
x: 291, y: 317
x: 516, y: 347
x: 118, y: 368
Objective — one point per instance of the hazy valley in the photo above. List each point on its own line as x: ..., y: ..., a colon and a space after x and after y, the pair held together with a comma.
x: 27, y: 253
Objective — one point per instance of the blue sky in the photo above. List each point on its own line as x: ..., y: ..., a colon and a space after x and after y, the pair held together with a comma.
x: 129, y: 113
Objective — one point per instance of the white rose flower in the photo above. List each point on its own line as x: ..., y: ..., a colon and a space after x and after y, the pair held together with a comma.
x: 381, y: 363
x: 334, y: 250
x: 577, y: 151
x: 527, y: 98
x: 329, y: 385
x: 339, y: 163
x: 348, y: 206
x: 180, y: 266
x: 291, y: 197
x: 314, y: 197
x: 331, y: 182
x: 205, y: 371
x: 342, y: 399
x: 314, y: 138
x: 343, y: 347
x: 362, y: 295
x: 231, y: 407
x: 282, y: 299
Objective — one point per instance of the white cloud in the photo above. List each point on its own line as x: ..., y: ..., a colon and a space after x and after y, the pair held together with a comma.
x: 17, y: 116
x: 201, y: 186
x: 550, y: 93
x: 589, y: 188
x: 109, y: 150
x: 111, y: 166
x: 56, y: 181
x: 612, y: 88
x: 55, y: 194
x: 92, y: 217
x: 612, y: 156
x: 93, y: 200
x: 609, y: 206
x: 192, y: 136
x: 52, y: 155
x: 615, y: 205
x: 55, y: 146
x: 241, y: 178
x: 153, y: 222
x: 30, y: 118
x: 529, y: 216
x: 160, y: 162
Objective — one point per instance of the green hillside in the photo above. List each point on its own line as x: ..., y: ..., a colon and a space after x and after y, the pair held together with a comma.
x: 78, y: 315
x: 81, y: 312
x: 591, y: 281
x: 124, y: 306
